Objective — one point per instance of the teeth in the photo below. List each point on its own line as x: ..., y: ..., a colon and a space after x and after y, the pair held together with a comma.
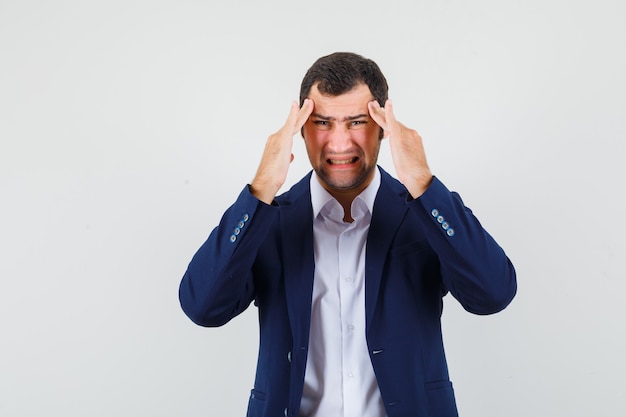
x: 342, y: 161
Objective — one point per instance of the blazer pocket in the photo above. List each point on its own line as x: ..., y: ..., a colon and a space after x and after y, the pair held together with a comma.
x: 410, y: 248
x: 257, y: 407
x: 257, y: 395
x: 437, y: 385
x: 441, y: 402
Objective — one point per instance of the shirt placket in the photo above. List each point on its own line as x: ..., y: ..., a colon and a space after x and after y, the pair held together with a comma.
x: 349, y: 305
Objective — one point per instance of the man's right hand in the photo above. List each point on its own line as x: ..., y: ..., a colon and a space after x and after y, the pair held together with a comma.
x: 277, y: 156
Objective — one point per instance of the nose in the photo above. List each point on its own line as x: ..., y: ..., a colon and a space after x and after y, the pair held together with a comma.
x: 339, y: 139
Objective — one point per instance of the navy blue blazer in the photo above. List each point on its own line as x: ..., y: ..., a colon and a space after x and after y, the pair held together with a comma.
x: 417, y: 251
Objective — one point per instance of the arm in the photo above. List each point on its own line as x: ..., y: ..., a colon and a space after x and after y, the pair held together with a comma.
x: 474, y: 268
x: 218, y: 284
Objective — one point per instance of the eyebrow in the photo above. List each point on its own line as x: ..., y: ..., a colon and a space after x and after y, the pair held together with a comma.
x: 345, y: 119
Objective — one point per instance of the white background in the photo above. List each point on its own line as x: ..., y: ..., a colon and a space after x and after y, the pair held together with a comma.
x: 127, y: 128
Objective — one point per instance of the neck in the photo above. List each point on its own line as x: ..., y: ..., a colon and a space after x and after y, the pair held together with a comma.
x: 347, y: 213
x: 345, y: 199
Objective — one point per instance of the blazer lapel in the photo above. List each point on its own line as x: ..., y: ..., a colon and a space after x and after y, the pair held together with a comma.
x: 296, y: 224
x: 389, y: 211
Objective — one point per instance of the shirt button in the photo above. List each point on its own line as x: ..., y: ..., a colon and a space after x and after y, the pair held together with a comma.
x: 435, y: 213
x: 349, y: 279
x: 246, y: 217
x: 233, y: 238
x: 445, y: 225
x: 450, y: 232
x: 350, y: 328
x: 350, y: 375
x: 440, y: 219
x: 240, y: 224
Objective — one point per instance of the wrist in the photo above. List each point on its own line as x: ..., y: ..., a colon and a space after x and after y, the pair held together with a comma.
x: 262, y: 191
x: 419, y: 184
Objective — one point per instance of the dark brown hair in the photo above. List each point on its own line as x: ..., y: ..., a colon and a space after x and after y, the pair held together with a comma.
x: 340, y: 72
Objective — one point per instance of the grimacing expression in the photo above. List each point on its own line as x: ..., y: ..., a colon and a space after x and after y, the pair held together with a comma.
x: 342, y: 140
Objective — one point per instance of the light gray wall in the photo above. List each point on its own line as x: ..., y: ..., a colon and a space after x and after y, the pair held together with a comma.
x: 127, y: 127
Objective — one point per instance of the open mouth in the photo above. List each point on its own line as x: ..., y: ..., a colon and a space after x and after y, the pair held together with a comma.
x: 342, y: 161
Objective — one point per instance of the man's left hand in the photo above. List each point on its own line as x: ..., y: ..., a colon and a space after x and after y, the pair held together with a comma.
x: 407, y: 150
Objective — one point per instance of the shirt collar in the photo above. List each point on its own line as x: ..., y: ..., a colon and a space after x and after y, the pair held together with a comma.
x: 320, y: 197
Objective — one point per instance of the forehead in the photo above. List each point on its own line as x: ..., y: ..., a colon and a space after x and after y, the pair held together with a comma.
x: 346, y: 104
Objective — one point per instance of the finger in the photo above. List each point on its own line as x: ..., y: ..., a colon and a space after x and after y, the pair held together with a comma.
x: 304, y: 113
x: 293, y: 113
x: 377, y: 113
x: 389, y: 114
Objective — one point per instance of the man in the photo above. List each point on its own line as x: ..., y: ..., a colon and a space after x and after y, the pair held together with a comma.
x: 348, y: 268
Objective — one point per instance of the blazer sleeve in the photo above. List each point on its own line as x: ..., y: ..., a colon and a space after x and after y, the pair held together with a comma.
x: 474, y: 268
x: 218, y: 284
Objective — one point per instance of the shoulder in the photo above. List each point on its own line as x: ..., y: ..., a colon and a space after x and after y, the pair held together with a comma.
x: 301, y: 189
x: 390, y: 185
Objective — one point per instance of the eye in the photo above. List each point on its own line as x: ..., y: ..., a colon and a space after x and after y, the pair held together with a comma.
x: 357, y: 123
x: 322, y: 124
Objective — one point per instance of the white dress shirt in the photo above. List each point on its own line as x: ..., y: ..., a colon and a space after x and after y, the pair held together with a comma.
x: 339, y: 379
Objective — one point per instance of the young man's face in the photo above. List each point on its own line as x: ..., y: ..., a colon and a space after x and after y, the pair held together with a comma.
x: 342, y: 140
